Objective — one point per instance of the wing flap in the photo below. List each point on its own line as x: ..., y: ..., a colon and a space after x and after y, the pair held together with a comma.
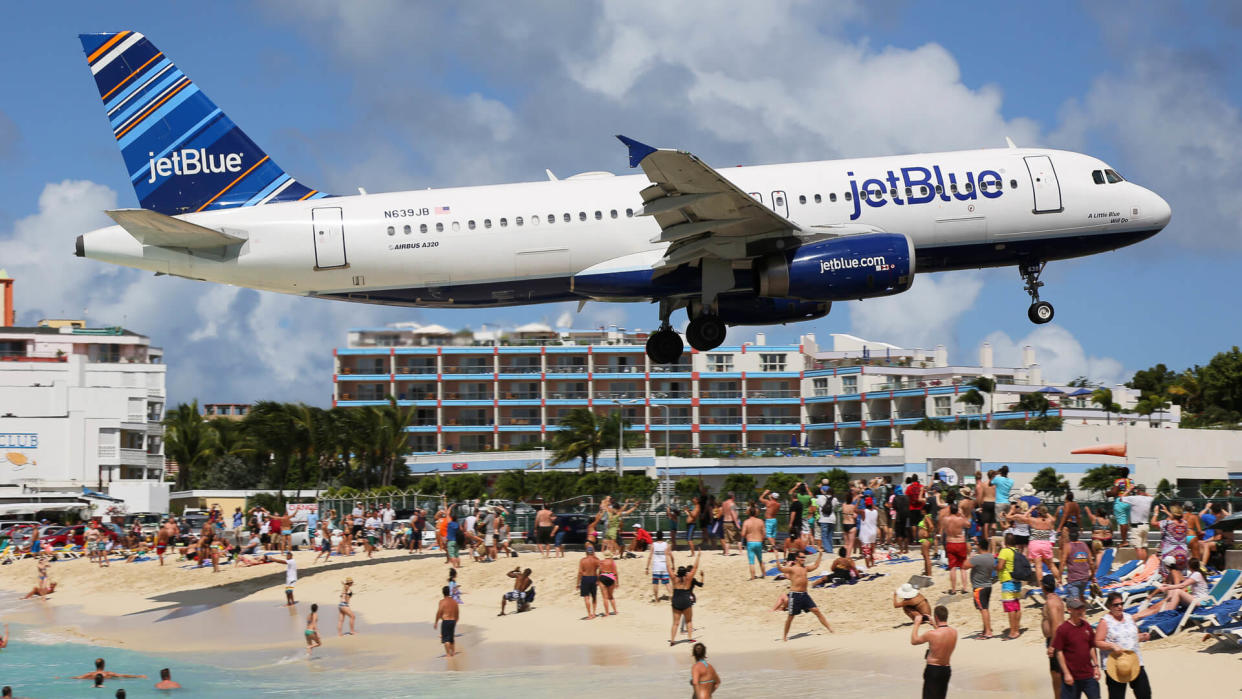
x: 153, y: 228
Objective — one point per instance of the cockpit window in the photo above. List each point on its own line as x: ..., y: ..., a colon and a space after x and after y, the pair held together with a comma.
x: 1113, y: 177
x: 1098, y: 176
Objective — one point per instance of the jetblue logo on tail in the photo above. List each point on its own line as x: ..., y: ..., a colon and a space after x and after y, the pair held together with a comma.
x: 193, y: 162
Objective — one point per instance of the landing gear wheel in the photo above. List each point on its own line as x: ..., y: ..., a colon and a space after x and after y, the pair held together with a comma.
x: 707, y: 332
x: 1040, y: 312
x: 664, y: 346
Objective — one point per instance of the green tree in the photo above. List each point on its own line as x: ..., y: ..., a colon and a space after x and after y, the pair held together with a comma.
x: 781, y: 482
x: 1103, y: 397
x: 465, y: 486
x: 974, y: 399
x: 226, y: 472
x: 277, y: 439
x: 1154, y: 381
x: 1048, y: 482
x: 986, y: 384
x: 687, y: 487
x: 1164, y: 488
x: 1080, y: 382
x: 553, y: 486
x: 928, y: 424
x: 188, y: 440
x: 1151, y: 403
x: 741, y: 484
x: 838, y: 480
x: 1033, y: 402
x: 608, y: 434
x: 1222, y: 381
x: 636, y: 485
x: 1100, y: 478
x: 1214, y: 487
x: 580, y: 437
x: 513, y: 485
x: 598, y: 484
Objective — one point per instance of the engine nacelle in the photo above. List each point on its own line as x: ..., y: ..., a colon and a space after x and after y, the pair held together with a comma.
x: 854, y: 267
x: 745, y: 309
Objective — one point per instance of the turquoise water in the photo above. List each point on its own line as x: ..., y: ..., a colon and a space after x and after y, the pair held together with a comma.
x: 37, y: 664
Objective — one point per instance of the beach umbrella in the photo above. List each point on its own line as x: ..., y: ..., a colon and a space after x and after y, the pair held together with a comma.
x: 1081, y: 392
x: 1050, y: 389
x: 1230, y: 523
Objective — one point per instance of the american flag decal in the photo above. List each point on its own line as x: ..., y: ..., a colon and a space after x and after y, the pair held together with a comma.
x: 441, y: 210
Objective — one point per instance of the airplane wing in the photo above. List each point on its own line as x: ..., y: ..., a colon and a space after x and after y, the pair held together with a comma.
x: 702, y: 214
x: 153, y: 228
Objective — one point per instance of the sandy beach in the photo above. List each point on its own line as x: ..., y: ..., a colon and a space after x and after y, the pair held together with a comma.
x: 172, y: 608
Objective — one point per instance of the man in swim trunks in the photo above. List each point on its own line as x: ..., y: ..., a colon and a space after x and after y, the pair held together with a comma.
x: 1052, y: 617
x: 728, y: 513
x: 447, y: 612
x: 753, y: 534
x: 799, y: 600
x: 588, y: 577
x: 941, y: 640
x: 543, y: 530
x: 771, y: 507
x: 521, y: 583
x: 982, y: 567
x: 953, y: 528
x: 1011, y: 590
x: 107, y: 674
x: 291, y: 577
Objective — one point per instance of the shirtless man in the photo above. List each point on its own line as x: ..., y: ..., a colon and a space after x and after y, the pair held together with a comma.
x: 986, y: 494
x: 166, y: 680
x: 941, y: 639
x: 799, y: 600
x: 953, y: 528
x: 161, y: 541
x: 107, y: 674
x: 447, y: 612
x: 771, y: 507
x: 588, y: 577
x: 753, y: 533
x: 1052, y: 617
x: 521, y: 583
x: 728, y: 516
x: 543, y: 531
x: 912, y: 603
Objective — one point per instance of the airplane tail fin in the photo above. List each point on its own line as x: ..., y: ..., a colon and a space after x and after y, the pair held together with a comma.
x: 181, y: 152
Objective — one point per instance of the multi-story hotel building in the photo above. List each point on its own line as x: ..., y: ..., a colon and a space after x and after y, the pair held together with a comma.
x: 487, y: 391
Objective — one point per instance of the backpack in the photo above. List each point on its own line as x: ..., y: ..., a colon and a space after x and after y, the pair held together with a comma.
x: 826, y: 509
x: 1021, y: 566
x: 901, y: 503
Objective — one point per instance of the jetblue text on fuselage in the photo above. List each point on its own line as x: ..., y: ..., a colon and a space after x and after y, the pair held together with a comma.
x: 193, y: 162
x: 920, y: 185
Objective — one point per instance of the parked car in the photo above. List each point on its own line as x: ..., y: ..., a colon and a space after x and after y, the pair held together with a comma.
x: 299, y: 538
x: 148, y: 521
x: 6, y: 525
x: 76, y: 535
x: 192, y: 523
x: 578, y: 524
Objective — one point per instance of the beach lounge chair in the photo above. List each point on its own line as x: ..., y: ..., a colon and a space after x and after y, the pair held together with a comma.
x: 1149, y: 568
x: 1115, y: 576
x: 1105, y: 564
x: 1224, y: 589
x: 1227, y: 633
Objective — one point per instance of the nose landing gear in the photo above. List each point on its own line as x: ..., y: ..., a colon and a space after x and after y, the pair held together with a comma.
x: 1040, y: 312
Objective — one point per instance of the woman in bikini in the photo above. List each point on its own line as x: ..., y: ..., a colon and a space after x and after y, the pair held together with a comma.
x: 692, y: 523
x: 1071, y: 514
x: 703, y: 678
x: 849, y: 520
x: 343, y: 609
x: 1101, y: 527
x: 926, y: 532
x: 610, y: 580
x: 683, y: 599
x: 1040, y: 546
x: 312, y: 629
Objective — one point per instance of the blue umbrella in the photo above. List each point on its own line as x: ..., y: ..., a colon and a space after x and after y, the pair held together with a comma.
x: 1050, y: 389
x: 1081, y: 392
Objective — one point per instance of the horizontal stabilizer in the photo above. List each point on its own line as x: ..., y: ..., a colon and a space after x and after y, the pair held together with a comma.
x: 153, y: 228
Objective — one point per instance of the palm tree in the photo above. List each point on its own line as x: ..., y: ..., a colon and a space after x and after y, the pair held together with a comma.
x: 609, y: 428
x: 189, y: 440
x: 972, y: 398
x: 1033, y: 402
x: 277, y: 438
x: 579, y: 437
x: 1103, y: 397
x: 231, y: 436
x: 1151, y: 404
x: 393, y: 438
x: 985, y: 384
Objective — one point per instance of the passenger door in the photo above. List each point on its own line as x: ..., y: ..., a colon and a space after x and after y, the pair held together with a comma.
x: 1044, y: 184
x: 329, y: 235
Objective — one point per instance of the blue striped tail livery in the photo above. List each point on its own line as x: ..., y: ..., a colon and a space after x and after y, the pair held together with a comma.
x: 182, y: 153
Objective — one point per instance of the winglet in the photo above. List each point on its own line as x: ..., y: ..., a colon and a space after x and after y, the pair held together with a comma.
x: 1010, y: 142
x: 638, y: 151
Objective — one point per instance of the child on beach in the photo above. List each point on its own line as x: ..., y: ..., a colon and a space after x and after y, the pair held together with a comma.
x: 312, y: 630
x: 454, y: 588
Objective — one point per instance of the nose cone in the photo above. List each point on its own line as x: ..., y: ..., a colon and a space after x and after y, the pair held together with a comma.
x: 79, y: 247
x: 1160, y: 211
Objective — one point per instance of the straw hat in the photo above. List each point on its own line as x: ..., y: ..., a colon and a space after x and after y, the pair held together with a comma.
x: 608, y: 554
x: 907, y: 591
x: 1123, y: 666
x: 1026, y: 490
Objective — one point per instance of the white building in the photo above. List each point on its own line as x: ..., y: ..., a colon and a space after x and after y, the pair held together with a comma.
x: 82, y: 408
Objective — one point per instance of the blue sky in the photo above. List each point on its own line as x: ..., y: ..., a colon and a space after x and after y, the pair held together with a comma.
x: 391, y: 95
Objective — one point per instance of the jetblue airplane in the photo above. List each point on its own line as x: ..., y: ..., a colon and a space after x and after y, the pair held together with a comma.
x: 745, y: 246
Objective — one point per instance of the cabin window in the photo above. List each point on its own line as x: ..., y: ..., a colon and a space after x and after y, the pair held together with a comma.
x: 534, y: 220
x: 551, y: 218
x: 953, y: 188
x: 567, y: 218
x: 581, y: 215
x: 487, y: 223
x: 422, y: 228
x: 1113, y: 177
x: 924, y: 190
x: 439, y: 228
x: 969, y: 187
x: 801, y: 198
x: 407, y: 229
x: 832, y: 196
x: 892, y: 192
x: 504, y: 222
x: 818, y: 199
x: 939, y: 189
x: 780, y: 201
x: 456, y: 226
x: 612, y: 214
x: 391, y: 230
x: 1013, y: 184
x: 629, y: 213
x: 909, y: 192
x: 517, y: 221
x: 599, y: 215
x: 848, y: 196
x: 470, y: 224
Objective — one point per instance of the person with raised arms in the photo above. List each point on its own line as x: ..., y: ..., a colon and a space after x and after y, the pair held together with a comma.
x: 799, y: 600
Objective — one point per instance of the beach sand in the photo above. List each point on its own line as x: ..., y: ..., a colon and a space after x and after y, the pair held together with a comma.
x: 172, y: 608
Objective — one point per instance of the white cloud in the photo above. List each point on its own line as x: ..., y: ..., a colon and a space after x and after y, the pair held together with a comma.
x: 1060, y: 355
x: 924, y: 316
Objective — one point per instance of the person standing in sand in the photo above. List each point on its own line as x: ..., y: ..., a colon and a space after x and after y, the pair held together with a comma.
x: 728, y: 514
x: 982, y: 567
x: 447, y: 612
x: 1074, y: 642
x: 291, y: 577
x: 588, y: 576
x: 799, y: 600
x: 986, y: 495
x: 1011, y: 589
x: 543, y: 531
x: 1051, y: 619
x: 753, y: 533
x: 312, y: 630
x: 343, y: 608
x: 683, y: 599
x: 161, y: 542
x: 659, y: 559
x: 941, y: 640
x: 610, y: 579
x: 771, y: 508
x: 703, y: 678
x: 953, y: 528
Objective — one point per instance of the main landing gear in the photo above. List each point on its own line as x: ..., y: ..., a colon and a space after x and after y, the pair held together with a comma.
x: 706, y: 332
x: 1040, y: 312
x: 664, y: 346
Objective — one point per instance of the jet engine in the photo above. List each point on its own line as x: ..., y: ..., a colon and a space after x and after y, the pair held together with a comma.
x: 747, y: 309
x: 852, y: 267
